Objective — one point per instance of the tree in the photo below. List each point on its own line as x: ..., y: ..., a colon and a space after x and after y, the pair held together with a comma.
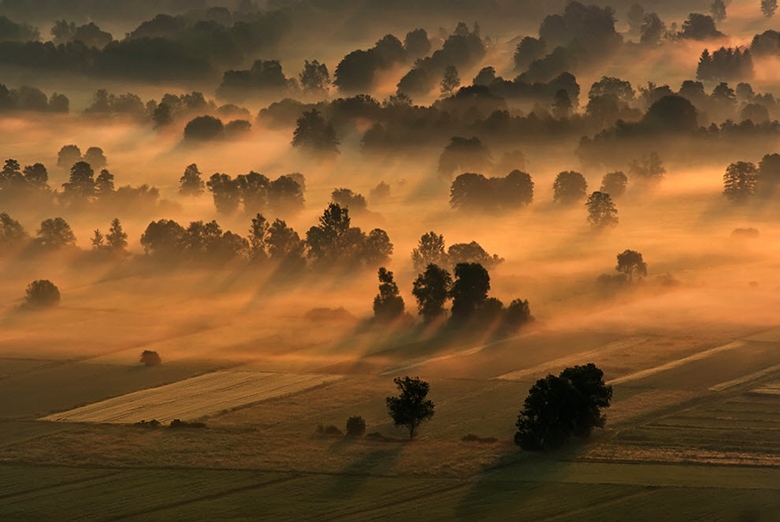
x: 315, y: 78
x: 150, y: 358
x: 81, y: 184
x: 417, y: 43
x: 95, y: 157
x: 116, y: 238
x: 700, y: 27
x: 636, y: 14
x: 388, y: 305
x: 718, y: 10
x: 285, y: 195
x: 768, y: 8
x: 652, y: 30
x: 104, y: 184
x: 36, y: 176
x: 464, y: 155
x: 55, y: 233
x: 226, y: 192
x: 411, y: 407
x: 569, y: 188
x: 42, y: 294
x: 432, y: 289
x: 630, y: 262
x: 355, y: 202
x: 258, y: 238
x: 450, y: 81
x: 739, y: 182
x: 356, y: 426
x: 768, y: 175
x: 517, y: 314
x: 469, y: 291
x: 163, y: 239
x: 377, y: 248
x: 68, y: 156
x: 313, y: 134
x: 98, y: 240
x: 204, y: 128
x: 285, y: 245
x: 614, y: 184
x: 191, y: 183
x: 430, y: 250
x: 648, y: 168
x: 472, y: 253
x: 558, y: 408
x: 11, y: 233
x: 601, y: 211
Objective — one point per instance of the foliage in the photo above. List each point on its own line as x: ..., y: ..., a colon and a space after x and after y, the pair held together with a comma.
x: 204, y: 128
x: 725, y: 64
x: 475, y: 192
x: 739, y: 181
x: 614, y: 184
x: 601, y: 210
x: 313, y: 134
x: 469, y: 291
x: 569, y: 188
x: 42, y: 293
x: 191, y: 183
x: 432, y: 290
x: 648, y: 168
x: 55, y: 233
x: 12, y: 233
x: 630, y: 262
x: 388, y: 305
x: 356, y: 426
x: 411, y: 407
x: 558, y: 408
x: 150, y: 358
x: 464, y: 154
x: 429, y: 251
x: 344, y: 197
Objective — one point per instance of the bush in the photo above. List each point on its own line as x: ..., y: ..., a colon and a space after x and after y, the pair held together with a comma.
x: 176, y: 423
x: 356, y: 426
x: 42, y: 294
x: 150, y: 358
x: 154, y: 423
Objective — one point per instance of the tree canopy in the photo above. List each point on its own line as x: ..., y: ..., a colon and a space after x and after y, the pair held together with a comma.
x: 411, y: 407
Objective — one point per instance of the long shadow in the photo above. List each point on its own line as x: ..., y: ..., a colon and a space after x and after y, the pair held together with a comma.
x: 353, y: 476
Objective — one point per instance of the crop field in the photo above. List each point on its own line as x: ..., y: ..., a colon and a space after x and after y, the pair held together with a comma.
x: 193, y: 398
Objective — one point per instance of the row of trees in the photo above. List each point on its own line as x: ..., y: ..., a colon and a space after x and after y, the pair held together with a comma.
x: 252, y: 192
x: 431, y: 249
x: 744, y: 179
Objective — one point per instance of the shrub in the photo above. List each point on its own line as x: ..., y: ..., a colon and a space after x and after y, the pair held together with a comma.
x: 42, y: 294
x: 356, y: 426
x: 176, y: 423
x: 150, y: 358
x: 328, y: 430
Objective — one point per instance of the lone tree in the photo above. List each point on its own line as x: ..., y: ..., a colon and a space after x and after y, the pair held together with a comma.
x: 389, y: 304
x: 570, y: 187
x: 739, y: 182
x: 116, y: 238
x: 150, y: 358
x: 42, y: 294
x: 432, y: 289
x: 411, y: 407
x: 630, y: 262
x: 55, y: 233
x: 614, y: 184
x: 558, y: 408
x: 191, y: 183
x: 601, y: 211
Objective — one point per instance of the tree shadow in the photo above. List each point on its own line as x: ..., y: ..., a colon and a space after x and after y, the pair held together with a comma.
x: 377, y: 462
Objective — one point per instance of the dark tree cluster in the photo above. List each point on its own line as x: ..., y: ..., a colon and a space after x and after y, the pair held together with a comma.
x: 431, y: 250
x: 475, y: 192
x: 11, y: 31
x: 19, y: 184
x: 42, y: 293
x: 265, y: 76
x: 168, y: 241
x: 462, y: 49
x: 210, y: 128
x: 558, y: 408
x: 31, y: 99
x: 88, y: 34
x: 114, y: 242
x: 700, y: 27
x: 725, y: 64
x: 355, y: 72
x: 69, y: 155
x: 743, y: 179
x: 315, y: 135
x: 254, y: 192
x: 335, y: 242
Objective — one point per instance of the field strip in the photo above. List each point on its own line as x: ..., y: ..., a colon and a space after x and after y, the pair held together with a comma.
x: 747, y: 378
x: 679, y: 362
x: 769, y: 389
x: 569, y: 360
x: 194, y: 398
x: 599, y: 505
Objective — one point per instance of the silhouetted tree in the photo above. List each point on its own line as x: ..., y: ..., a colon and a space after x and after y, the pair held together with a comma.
x: 569, y: 188
x: 98, y: 240
x: 12, y: 233
x: 163, y: 239
x: 472, y: 253
x: 204, y: 128
x: 314, y: 134
x: 95, y: 157
x: 344, y: 197
x: 36, y: 176
x: 411, y: 407
x: 528, y: 50
x: 561, y: 407
x: 150, y: 358
x: 469, y: 291
x: 614, y: 184
x: 768, y: 8
x: 417, y: 43
x: 671, y: 114
x: 718, y: 10
x: 601, y: 210
x: 55, y: 233
x: 630, y: 262
x: 258, y: 238
x: 116, y: 239
x: 252, y: 190
x: 450, y: 81
x: 285, y: 194
x: 81, y: 184
x: 191, y: 183
x: 700, y: 27
x: 285, y: 246
x: 226, y: 192
x: 104, y: 184
x: 42, y: 294
x: 377, y: 248
x: 68, y: 156
x: 429, y: 251
x: 388, y: 305
x: 648, y: 168
x: 768, y: 175
x: 432, y: 289
x: 517, y: 315
x: 464, y: 154
x: 739, y: 182
x: 652, y: 30
x: 315, y: 78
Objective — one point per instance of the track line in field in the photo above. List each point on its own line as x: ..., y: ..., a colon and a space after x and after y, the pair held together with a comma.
x: 747, y: 378
x: 679, y: 362
x: 58, y: 485
x: 568, y: 360
x: 602, y: 504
